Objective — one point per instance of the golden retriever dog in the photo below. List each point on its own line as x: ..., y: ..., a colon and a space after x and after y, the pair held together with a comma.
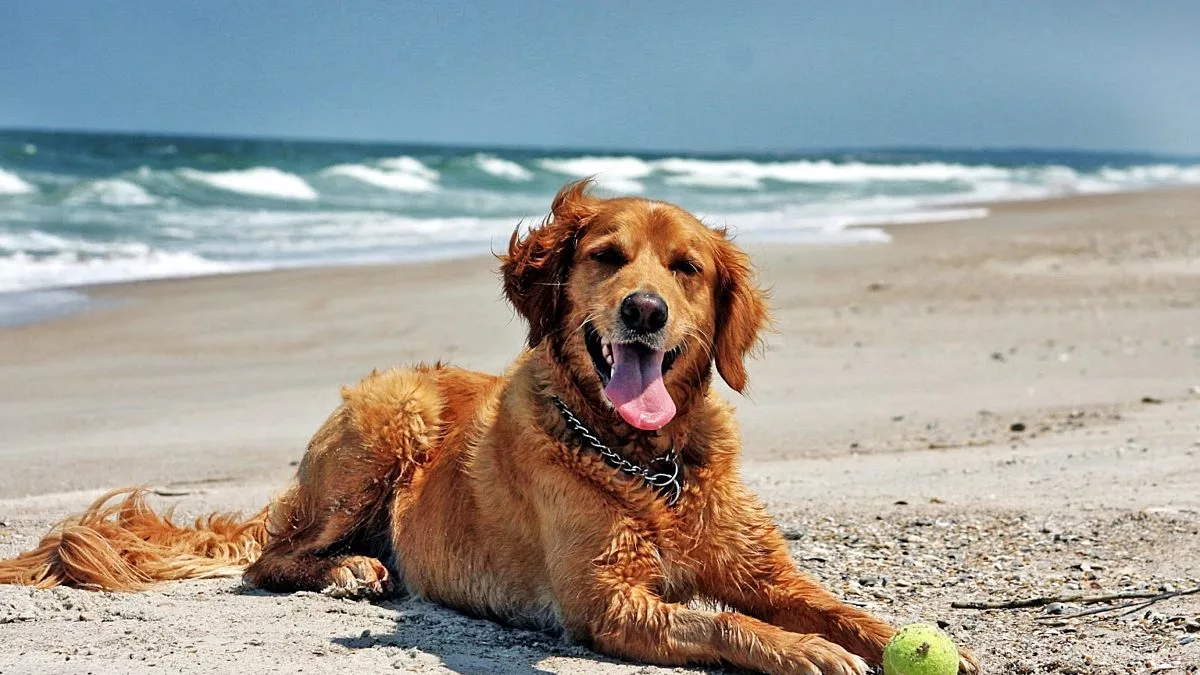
x: 591, y: 490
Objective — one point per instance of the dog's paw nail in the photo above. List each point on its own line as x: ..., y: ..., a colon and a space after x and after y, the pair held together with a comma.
x: 358, y: 577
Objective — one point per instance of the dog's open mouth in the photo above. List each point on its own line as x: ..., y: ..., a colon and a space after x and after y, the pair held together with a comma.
x: 632, y: 375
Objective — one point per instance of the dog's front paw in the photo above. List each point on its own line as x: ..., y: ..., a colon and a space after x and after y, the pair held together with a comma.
x: 358, y: 576
x: 813, y: 655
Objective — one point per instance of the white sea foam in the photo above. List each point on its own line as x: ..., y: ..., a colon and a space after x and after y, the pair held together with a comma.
x: 1059, y: 181
x: 819, y: 225
x: 12, y: 184
x: 410, y: 165
x: 36, y: 259
x: 388, y: 180
x: 713, y: 179
x: 734, y: 174
x: 629, y: 173
x: 110, y: 192
x: 21, y: 271
x: 750, y: 174
x: 617, y: 174
x: 286, y: 237
x: 1151, y: 174
x: 502, y: 168
x: 260, y: 181
x: 38, y: 242
x: 906, y: 218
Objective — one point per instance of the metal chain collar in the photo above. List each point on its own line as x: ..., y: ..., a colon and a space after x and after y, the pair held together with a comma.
x: 668, y: 485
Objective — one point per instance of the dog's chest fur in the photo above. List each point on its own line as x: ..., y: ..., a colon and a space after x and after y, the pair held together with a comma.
x: 500, y: 509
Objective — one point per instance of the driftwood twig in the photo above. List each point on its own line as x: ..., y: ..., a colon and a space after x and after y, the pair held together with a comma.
x: 1051, y: 599
x: 1130, y: 607
x: 1139, y: 600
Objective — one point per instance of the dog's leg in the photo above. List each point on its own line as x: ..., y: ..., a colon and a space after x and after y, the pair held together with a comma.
x: 604, y: 576
x: 318, y: 533
x: 315, y: 548
x: 330, y: 530
x: 638, y: 625
x: 778, y: 593
x: 767, y: 585
x: 751, y: 571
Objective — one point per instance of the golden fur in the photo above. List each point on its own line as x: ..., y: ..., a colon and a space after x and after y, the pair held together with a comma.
x: 468, y: 489
x: 126, y: 546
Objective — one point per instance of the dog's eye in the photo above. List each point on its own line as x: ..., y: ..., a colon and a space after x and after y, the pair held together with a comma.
x: 685, y: 266
x: 609, y: 256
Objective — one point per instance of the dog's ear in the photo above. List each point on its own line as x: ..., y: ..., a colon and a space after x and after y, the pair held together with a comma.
x: 537, y: 265
x: 741, y: 312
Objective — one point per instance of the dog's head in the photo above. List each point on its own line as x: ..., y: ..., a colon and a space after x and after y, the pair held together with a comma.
x: 637, y: 299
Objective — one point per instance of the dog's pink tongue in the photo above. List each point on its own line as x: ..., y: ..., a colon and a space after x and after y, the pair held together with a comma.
x: 636, y: 387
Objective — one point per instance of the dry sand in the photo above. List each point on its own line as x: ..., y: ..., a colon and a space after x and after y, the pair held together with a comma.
x: 999, y: 408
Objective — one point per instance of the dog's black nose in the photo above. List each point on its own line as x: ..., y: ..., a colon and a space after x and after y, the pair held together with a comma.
x: 644, y: 312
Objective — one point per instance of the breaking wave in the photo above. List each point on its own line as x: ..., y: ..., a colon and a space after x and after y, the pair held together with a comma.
x: 11, y: 184
x: 21, y: 271
x: 260, y: 181
x: 111, y: 192
x: 502, y: 168
x: 401, y: 181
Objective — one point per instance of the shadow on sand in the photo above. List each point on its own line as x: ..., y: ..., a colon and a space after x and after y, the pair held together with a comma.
x: 433, y: 635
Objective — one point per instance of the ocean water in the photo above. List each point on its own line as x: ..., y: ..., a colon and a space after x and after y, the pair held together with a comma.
x: 86, y: 208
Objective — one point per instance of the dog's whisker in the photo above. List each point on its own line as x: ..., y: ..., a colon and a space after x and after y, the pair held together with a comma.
x: 586, y: 320
x: 697, y: 337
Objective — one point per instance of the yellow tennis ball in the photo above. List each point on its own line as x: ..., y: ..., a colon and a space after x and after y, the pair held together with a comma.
x: 920, y: 649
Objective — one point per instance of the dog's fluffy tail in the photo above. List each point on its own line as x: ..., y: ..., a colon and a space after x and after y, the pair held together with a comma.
x: 123, y: 545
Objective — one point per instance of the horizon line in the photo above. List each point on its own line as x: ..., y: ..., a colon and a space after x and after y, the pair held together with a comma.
x: 496, y: 146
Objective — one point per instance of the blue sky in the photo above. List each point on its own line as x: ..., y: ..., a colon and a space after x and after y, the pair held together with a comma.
x: 662, y: 74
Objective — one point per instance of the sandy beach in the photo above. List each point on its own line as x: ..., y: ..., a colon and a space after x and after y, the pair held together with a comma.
x: 992, y: 409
